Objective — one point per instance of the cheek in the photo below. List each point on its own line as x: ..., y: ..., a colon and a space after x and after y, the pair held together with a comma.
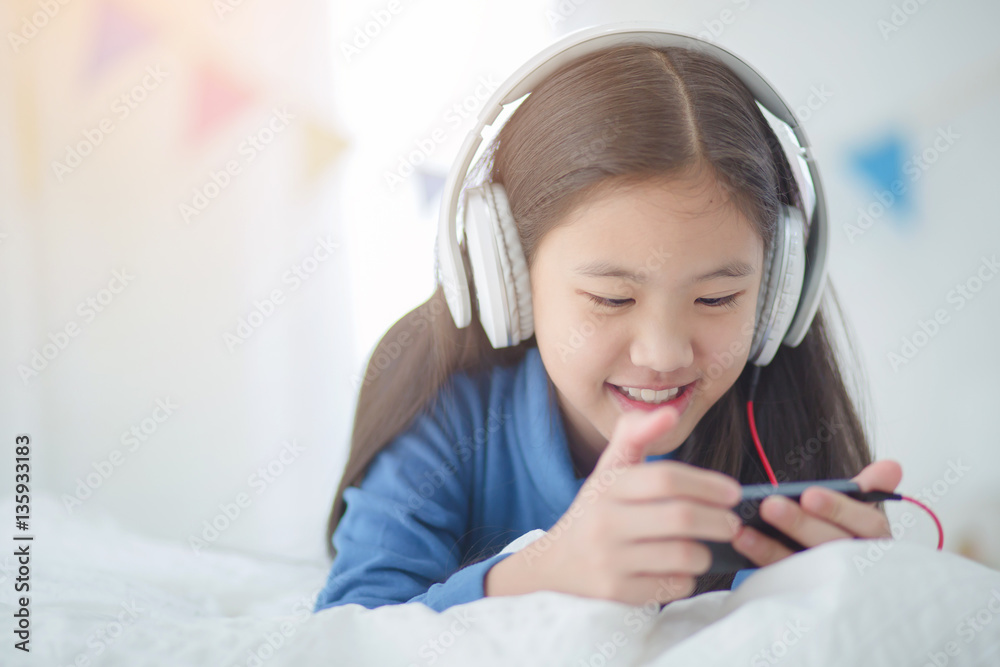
x: 731, y: 338
x: 723, y: 352
x: 577, y: 341
x: 563, y: 319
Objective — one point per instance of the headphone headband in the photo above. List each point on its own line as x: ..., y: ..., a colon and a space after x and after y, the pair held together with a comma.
x: 584, y: 42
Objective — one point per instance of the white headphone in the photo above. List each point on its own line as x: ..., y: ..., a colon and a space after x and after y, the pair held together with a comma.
x: 788, y: 297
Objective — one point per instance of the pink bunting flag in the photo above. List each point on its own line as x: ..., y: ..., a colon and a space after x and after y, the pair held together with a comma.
x: 218, y: 98
x: 118, y: 33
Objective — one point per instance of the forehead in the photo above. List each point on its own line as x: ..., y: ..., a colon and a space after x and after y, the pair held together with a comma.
x: 690, y: 220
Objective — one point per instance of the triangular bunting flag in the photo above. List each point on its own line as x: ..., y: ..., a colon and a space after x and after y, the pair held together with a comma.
x: 323, y: 146
x: 217, y: 99
x: 118, y: 33
x: 881, y: 164
x: 431, y: 185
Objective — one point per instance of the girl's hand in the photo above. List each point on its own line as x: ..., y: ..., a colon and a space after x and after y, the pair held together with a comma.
x: 631, y: 534
x: 820, y: 516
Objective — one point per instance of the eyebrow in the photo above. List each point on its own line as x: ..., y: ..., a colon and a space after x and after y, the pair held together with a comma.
x: 602, y: 269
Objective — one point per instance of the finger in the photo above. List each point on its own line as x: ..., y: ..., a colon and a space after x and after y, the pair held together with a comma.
x: 760, y: 548
x: 882, y: 475
x: 633, y: 433
x: 666, y: 557
x: 855, y: 517
x: 788, y: 517
x: 666, y: 480
x: 672, y: 519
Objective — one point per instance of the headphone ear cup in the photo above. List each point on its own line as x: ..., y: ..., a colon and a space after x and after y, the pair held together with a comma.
x: 503, y: 288
x: 781, y: 286
x: 512, y: 259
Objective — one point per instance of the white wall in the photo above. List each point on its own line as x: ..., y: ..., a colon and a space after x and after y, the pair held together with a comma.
x: 295, y: 377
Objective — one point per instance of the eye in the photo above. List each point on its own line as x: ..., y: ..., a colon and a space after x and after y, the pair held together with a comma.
x: 730, y: 301
x: 723, y: 301
x: 608, y: 303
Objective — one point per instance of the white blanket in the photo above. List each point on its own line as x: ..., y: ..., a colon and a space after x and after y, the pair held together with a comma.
x: 103, y: 597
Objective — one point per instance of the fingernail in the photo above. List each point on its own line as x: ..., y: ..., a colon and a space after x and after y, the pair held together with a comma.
x: 735, y: 493
x: 821, y: 501
x: 780, y: 506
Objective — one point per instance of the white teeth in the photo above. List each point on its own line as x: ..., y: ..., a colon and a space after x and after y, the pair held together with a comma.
x: 650, y: 396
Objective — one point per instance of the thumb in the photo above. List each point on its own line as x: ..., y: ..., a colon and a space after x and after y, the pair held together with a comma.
x: 883, y: 475
x: 635, y: 430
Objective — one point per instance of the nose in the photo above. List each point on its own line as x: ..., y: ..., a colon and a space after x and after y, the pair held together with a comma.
x: 662, y: 343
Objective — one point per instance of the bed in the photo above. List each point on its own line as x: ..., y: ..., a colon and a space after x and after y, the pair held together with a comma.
x: 104, y: 596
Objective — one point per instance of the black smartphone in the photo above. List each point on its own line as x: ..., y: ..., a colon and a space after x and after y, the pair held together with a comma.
x: 726, y: 559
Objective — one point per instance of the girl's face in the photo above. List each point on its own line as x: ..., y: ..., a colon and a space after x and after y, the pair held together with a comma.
x: 649, y: 287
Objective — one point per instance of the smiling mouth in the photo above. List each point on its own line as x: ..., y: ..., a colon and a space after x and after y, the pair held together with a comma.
x: 651, y: 397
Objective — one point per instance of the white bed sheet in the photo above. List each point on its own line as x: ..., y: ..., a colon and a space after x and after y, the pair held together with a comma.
x: 158, y: 603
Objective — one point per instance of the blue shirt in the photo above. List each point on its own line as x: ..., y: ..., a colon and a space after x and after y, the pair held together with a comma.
x: 439, y: 502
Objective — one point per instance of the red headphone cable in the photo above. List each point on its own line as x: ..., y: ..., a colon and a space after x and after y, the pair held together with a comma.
x: 872, y: 496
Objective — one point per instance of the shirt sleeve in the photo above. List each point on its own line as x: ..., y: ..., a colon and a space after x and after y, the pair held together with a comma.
x: 740, y: 576
x: 399, y: 538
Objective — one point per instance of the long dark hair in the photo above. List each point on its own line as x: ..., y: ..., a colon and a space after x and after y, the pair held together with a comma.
x: 627, y: 114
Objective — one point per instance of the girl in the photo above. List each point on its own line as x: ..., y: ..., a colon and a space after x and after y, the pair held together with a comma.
x: 645, y: 185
